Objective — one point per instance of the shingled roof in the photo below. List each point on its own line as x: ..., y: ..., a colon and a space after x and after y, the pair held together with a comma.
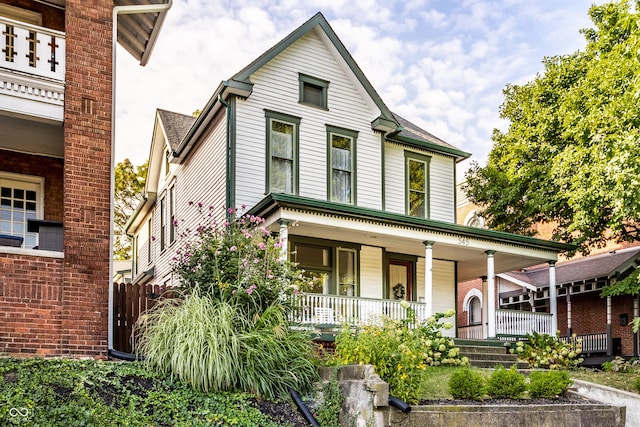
x: 598, y: 266
x: 175, y: 126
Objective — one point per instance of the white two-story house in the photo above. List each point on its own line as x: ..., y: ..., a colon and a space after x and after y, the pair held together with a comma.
x: 301, y: 137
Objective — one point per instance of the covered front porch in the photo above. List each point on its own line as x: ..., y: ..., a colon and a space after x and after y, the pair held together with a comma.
x: 367, y: 262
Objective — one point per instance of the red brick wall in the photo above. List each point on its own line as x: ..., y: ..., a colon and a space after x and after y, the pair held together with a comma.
x: 31, y: 301
x: 87, y: 134
x: 49, y: 168
x: 589, y: 316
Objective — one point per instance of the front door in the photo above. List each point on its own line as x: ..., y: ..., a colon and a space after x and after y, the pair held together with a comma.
x: 400, y: 280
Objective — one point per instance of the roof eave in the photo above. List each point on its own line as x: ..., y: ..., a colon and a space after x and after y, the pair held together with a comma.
x: 459, y: 155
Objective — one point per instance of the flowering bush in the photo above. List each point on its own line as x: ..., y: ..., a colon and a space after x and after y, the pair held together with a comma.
x: 237, y: 261
x: 545, y: 351
x: 401, y: 350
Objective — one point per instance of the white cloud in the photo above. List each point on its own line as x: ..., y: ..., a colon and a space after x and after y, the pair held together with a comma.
x: 438, y: 63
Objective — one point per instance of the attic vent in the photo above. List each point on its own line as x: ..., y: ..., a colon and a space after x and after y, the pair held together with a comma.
x: 313, y: 91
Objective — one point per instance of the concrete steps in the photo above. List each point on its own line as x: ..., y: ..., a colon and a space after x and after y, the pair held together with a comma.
x: 488, y: 353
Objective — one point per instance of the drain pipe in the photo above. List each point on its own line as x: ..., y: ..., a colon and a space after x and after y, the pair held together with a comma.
x: 120, y: 10
x: 306, y: 413
x: 400, y: 404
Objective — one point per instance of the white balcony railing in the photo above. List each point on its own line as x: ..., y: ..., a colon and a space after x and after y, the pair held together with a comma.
x: 31, y: 49
x: 520, y: 323
x: 317, y: 309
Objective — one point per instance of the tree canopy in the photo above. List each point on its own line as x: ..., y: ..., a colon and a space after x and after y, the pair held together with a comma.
x: 129, y: 188
x: 570, y: 153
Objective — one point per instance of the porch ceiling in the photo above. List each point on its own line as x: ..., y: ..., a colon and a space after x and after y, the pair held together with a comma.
x: 27, y: 136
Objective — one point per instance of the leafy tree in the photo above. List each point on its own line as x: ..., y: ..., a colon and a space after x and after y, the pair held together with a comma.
x: 569, y: 155
x: 129, y: 188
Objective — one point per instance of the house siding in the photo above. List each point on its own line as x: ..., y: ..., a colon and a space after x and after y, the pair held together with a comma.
x: 276, y: 88
x: 441, y: 182
x: 371, y: 272
x: 201, y: 179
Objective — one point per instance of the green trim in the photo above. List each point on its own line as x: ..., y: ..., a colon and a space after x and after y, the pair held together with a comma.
x: 295, y: 122
x: 323, y: 85
x: 353, y: 135
x: 408, y: 156
x: 318, y: 20
x: 335, y: 246
x: 459, y: 155
x: 275, y: 201
x: 231, y: 137
x: 382, y: 172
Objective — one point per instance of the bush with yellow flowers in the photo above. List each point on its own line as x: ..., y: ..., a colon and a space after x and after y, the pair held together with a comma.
x: 400, y: 350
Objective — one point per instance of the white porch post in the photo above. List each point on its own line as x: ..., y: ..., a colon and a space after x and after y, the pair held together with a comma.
x: 553, y: 298
x: 485, y: 305
x: 284, y: 239
x: 491, y: 295
x: 428, y: 276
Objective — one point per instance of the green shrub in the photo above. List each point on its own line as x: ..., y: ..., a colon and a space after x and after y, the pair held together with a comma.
x: 549, y: 384
x: 545, y: 351
x: 237, y: 261
x: 506, y: 384
x: 215, y: 346
x: 400, y: 351
x: 467, y: 384
x: 618, y: 364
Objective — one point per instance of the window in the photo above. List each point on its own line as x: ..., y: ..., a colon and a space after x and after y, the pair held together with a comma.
x: 474, y: 310
x: 332, y: 268
x: 163, y: 225
x: 282, y: 153
x: 149, y: 239
x: 20, y: 201
x: 341, y: 163
x: 313, y: 91
x: 417, y: 184
x: 172, y: 213
x: 167, y: 167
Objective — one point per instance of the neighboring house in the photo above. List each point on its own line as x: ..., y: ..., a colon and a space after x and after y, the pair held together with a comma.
x: 363, y: 199
x: 122, y: 271
x: 56, y: 111
x: 604, y: 324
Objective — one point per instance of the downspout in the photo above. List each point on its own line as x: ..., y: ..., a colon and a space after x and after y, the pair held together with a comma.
x: 119, y: 10
x: 228, y: 198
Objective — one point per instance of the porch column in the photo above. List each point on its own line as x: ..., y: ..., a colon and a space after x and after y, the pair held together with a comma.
x: 553, y: 298
x: 491, y: 295
x: 485, y: 305
x: 284, y: 239
x: 428, y: 276
x: 609, y: 329
x: 569, y: 325
x: 635, y: 334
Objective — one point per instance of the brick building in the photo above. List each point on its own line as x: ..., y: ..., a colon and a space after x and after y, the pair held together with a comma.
x: 56, y: 112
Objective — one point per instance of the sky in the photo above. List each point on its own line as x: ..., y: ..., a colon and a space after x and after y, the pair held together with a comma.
x: 441, y: 64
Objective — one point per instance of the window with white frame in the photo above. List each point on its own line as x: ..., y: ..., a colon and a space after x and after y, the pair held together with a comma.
x: 163, y: 225
x: 475, y: 311
x: 282, y: 153
x: 172, y: 213
x: 341, y: 163
x: 21, y: 199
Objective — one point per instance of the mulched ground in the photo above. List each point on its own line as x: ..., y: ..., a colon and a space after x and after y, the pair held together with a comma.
x: 566, y: 400
x: 283, y: 412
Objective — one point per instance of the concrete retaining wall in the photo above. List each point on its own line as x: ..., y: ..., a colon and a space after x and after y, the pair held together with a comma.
x: 611, y: 396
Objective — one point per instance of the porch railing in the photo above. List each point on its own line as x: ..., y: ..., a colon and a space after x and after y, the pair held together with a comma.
x: 471, y: 332
x: 32, y: 49
x: 591, y: 343
x: 520, y: 323
x: 317, y: 309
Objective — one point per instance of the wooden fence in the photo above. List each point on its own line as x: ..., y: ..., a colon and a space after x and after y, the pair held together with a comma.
x: 129, y: 302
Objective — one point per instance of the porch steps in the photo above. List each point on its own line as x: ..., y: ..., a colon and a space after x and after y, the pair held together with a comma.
x: 488, y: 353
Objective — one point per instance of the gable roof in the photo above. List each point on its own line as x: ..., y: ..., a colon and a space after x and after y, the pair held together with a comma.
x: 411, y: 134
x: 240, y: 83
x: 606, y: 265
x: 175, y: 125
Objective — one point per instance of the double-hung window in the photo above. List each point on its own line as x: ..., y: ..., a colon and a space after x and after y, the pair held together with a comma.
x: 341, y: 156
x: 20, y: 201
x: 417, y: 184
x: 163, y: 225
x: 172, y: 213
x: 282, y: 153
